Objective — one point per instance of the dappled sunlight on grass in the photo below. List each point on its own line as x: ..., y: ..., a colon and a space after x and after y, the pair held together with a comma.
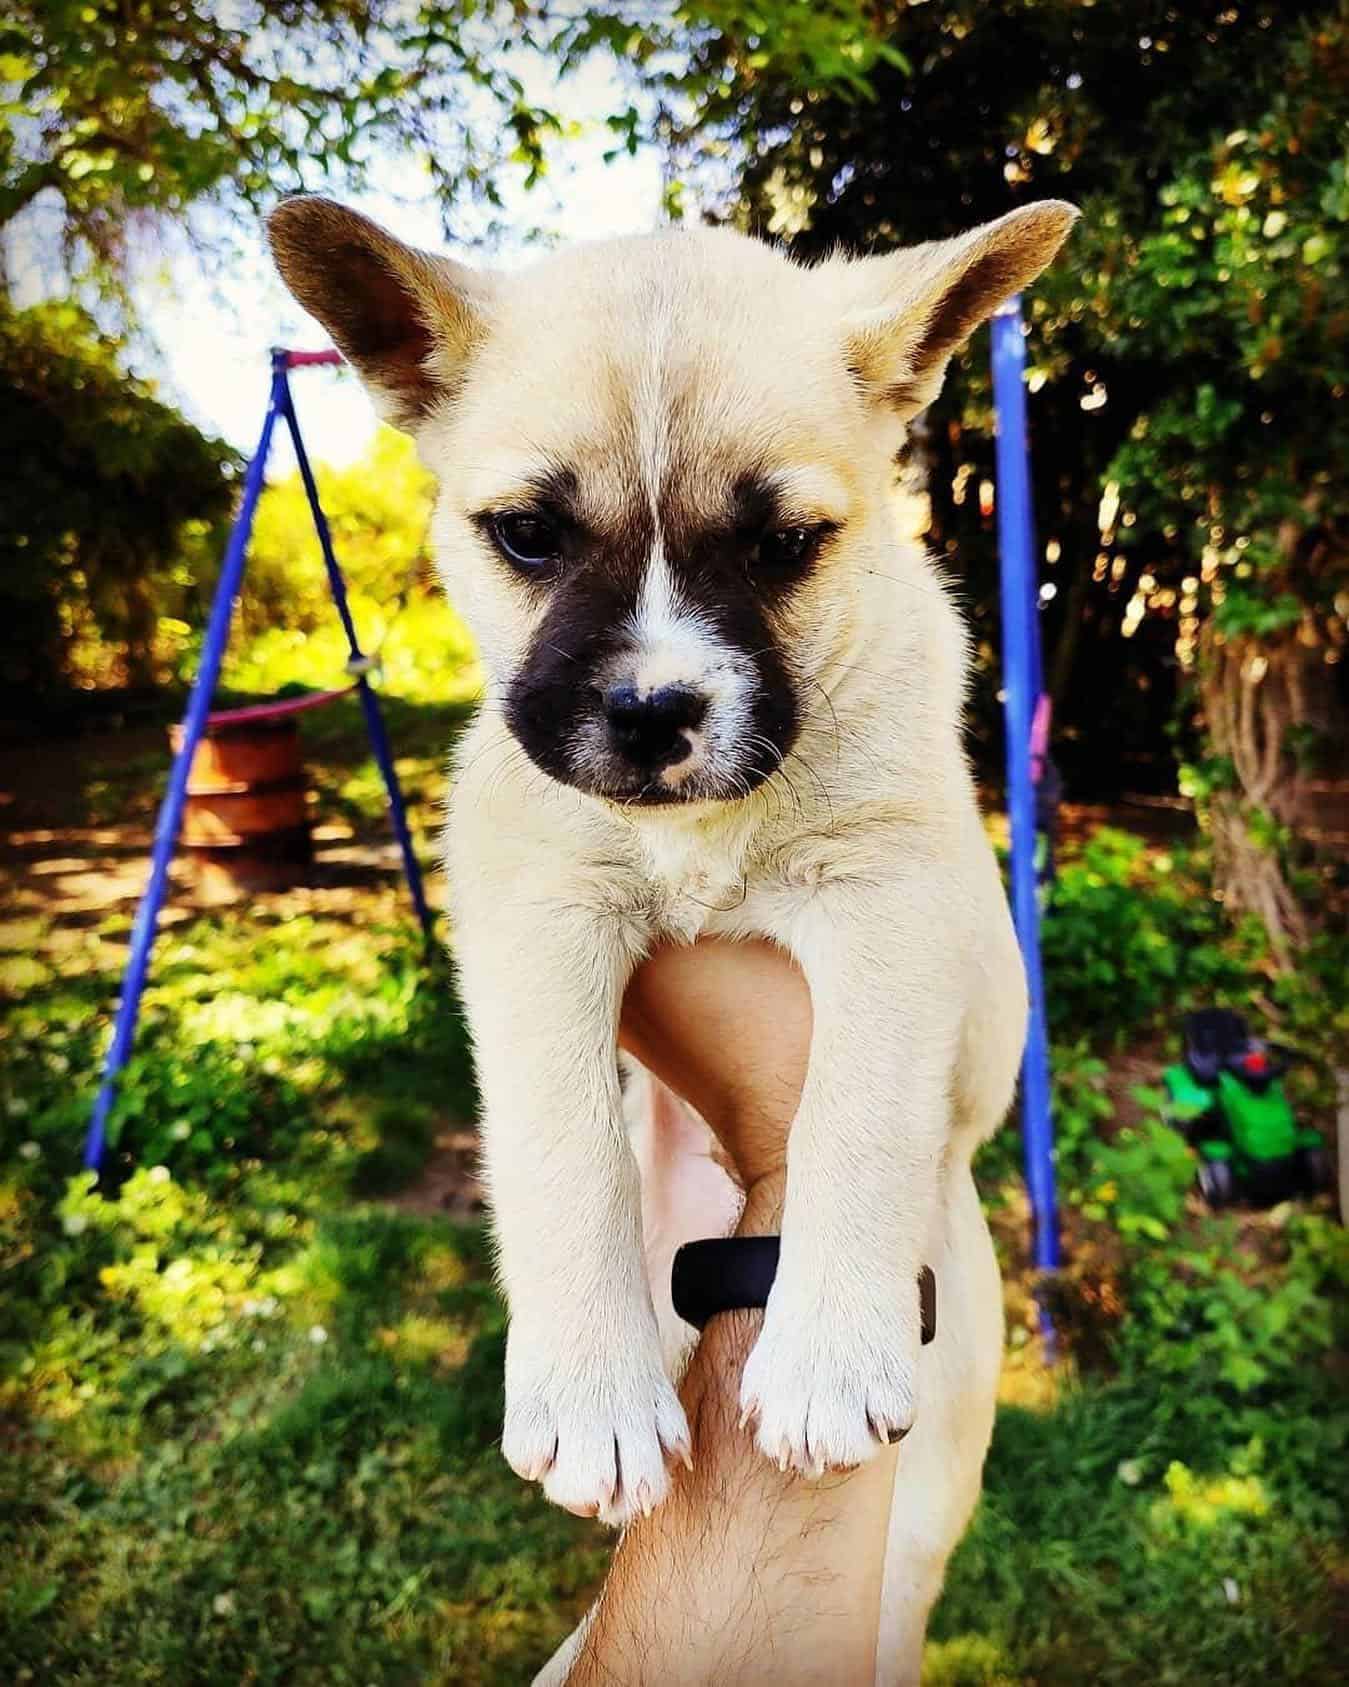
x: 1204, y: 1501
x: 419, y: 1339
x: 969, y: 1661
x: 250, y: 1396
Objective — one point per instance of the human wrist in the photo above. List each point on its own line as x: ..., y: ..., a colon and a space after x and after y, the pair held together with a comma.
x: 764, y: 1201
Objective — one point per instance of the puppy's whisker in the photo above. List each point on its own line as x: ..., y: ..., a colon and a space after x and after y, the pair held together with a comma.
x: 779, y: 773
x: 833, y: 712
x: 795, y: 795
x: 908, y: 585
x: 728, y: 907
x: 855, y: 740
x: 776, y: 755
x: 824, y: 789
x: 507, y: 769
x: 513, y: 755
x: 499, y: 753
x: 871, y: 673
x: 771, y: 785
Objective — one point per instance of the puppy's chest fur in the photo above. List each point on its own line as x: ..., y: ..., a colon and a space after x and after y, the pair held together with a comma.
x: 735, y: 875
x: 695, y: 873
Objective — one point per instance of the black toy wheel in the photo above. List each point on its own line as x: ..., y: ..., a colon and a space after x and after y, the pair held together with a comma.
x: 1216, y: 1183
x: 1200, y: 1128
x: 1314, y: 1169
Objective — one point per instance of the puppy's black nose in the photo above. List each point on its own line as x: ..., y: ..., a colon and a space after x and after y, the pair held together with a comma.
x: 650, y: 730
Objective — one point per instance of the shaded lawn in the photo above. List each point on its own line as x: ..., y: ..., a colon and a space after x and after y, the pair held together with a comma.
x: 249, y: 1414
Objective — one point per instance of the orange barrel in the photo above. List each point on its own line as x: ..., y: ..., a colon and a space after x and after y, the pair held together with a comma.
x: 246, y: 821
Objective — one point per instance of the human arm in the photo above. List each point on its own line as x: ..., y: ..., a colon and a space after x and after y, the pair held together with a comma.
x: 746, y: 1573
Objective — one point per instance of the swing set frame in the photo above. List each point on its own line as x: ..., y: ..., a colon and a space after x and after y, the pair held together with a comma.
x: 1025, y: 711
x: 280, y: 408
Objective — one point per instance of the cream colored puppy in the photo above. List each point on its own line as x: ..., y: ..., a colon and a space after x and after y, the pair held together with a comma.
x: 723, y: 696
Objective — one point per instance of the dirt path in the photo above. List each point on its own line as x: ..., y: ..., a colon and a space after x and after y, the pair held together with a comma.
x: 77, y: 823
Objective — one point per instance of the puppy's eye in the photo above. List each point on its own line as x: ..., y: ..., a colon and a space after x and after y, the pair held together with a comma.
x: 529, y: 541
x: 791, y: 547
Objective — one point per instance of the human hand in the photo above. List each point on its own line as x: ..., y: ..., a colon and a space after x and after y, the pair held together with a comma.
x: 727, y: 1026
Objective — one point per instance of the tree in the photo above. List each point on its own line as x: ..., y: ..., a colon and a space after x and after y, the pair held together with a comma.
x: 125, y: 109
x: 120, y: 108
x: 1236, y: 471
x: 112, y: 503
x: 1187, y: 356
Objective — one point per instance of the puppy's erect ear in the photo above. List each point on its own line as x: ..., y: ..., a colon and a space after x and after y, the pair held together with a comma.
x: 907, y: 311
x: 408, y: 321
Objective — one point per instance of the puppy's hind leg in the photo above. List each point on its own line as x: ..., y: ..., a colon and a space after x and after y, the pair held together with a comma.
x: 940, y: 1463
x: 687, y: 1193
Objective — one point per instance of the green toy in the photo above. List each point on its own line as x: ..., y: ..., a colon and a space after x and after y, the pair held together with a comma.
x: 1227, y: 1098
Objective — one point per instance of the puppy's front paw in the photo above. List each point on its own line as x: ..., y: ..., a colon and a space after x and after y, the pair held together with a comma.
x: 827, y: 1387
x: 596, y: 1433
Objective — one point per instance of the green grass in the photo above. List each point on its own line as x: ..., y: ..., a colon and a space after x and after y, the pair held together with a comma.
x: 251, y: 1417
x: 276, y: 1510
x: 1137, y: 1534
x: 249, y: 1408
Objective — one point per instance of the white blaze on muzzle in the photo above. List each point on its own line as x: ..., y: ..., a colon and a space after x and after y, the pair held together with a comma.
x: 674, y: 643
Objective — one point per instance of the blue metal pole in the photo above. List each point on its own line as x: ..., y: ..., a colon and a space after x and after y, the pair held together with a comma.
x: 1021, y: 685
x: 1033, y: 601
x: 171, y: 809
x: 374, y: 720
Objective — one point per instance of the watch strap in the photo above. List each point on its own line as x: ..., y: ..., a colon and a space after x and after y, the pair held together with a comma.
x: 735, y: 1273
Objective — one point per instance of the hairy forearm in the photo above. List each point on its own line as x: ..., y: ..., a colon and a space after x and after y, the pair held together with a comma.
x: 746, y: 1574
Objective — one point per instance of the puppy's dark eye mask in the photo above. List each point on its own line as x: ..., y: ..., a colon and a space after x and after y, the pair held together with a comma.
x: 654, y: 670
x: 757, y: 534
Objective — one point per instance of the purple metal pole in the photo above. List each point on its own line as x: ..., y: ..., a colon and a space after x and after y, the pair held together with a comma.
x: 1021, y: 686
x: 374, y: 720
x: 171, y: 810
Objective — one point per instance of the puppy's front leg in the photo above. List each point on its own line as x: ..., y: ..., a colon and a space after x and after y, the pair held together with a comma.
x: 590, y: 1411
x: 833, y: 1375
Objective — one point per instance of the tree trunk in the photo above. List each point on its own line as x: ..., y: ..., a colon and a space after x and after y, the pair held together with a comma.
x: 1256, y: 694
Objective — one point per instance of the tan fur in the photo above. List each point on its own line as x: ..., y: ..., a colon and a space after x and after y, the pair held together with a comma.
x: 682, y: 358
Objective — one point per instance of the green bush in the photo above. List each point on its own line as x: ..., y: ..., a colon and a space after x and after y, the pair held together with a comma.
x: 114, y: 509
x: 1140, y: 1180
x: 1131, y: 935
x: 1219, y: 1310
x: 1081, y: 1107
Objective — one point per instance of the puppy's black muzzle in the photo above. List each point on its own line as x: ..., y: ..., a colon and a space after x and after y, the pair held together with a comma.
x: 652, y: 731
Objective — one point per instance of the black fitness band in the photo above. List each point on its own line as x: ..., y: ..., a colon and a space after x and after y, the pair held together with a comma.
x: 735, y: 1273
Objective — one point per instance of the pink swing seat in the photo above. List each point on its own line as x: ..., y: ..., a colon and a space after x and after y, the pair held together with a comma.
x: 258, y: 714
